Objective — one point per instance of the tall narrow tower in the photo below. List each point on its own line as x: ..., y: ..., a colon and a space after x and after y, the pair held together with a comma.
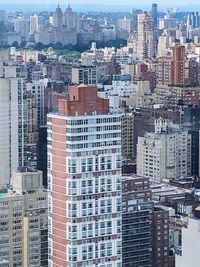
x: 178, y: 66
x: 154, y: 14
x: 145, y: 37
x: 58, y: 18
x: 13, y: 114
x: 84, y: 179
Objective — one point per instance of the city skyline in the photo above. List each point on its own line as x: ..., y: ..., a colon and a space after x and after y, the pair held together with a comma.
x: 99, y: 134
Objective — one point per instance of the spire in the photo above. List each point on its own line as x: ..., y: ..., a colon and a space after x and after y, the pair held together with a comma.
x: 58, y: 9
x: 69, y: 8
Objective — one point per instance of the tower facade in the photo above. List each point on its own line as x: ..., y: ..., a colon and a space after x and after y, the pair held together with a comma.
x: 178, y: 65
x: 145, y: 38
x: 34, y: 24
x: 58, y: 18
x: 13, y: 114
x: 84, y: 179
x: 154, y: 14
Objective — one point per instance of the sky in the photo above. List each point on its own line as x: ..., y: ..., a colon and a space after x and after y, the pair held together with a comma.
x: 104, y: 2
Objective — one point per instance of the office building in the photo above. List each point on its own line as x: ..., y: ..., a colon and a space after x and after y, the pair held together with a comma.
x: 154, y: 14
x: 84, y: 145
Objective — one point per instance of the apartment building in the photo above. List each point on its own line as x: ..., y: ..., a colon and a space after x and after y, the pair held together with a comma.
x: 160, y: 234
x: 136, y: 222
x: 13, y: 114
x: 84, y: 179
x: 166, y: 153
x: 23, y: 221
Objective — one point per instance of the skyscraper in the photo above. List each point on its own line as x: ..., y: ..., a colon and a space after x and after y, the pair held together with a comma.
x: 70, y: 19
x: 145, y: 37
x: 58, y: 18
x: 34, y: 24
x: 84, y: 179
x: 12, y: 121
x: 154, y: 14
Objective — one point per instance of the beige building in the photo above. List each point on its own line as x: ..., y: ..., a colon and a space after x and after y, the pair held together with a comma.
x: 166, y: 153
x: 143, y: 96
x: 145, y: 37
x: 93, y: 55
x: 89, y: 75
x: 23, y: 221
x: 125, y: 24
x: 12, y: 120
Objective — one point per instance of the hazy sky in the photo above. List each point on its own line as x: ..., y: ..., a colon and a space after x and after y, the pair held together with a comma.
x: 111, y: 2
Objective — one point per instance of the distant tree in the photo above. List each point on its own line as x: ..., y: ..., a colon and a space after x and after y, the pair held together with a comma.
x: 68, y: 47
x: 58, y: 46
x: 15, y: 44
x: 39, y: 46
x: 23, y: 44
x: 80, y: 47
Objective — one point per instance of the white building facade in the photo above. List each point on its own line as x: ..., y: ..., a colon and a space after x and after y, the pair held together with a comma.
x: 12, y: 122
x: 84, y: 177
x: 164, y: 154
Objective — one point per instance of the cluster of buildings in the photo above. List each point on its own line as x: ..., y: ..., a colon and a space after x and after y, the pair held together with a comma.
x: 99, y: 156
x: 67, y: 27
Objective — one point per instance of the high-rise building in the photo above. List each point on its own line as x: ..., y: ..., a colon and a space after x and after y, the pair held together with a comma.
x: 128, y: 136
x: 160, y: 234
x: 32, y: 131
x: 42, y: 152
x: 84, y: 179
x: 70, y: 19
x: 154, y: 14
x: 145, y: 37
x: 125, y: 24
x: 3, y: 16
x: 136, y: 222
x: 13, y: 115
x: 37, y: 89
x: 23, y: 221
x: 165, y: 153
x: 58, y: 18
x: 164, y: 43
x: 162, y: 69
x: 192, y: 73
x: 34, y: 24
x: 190, y: 241
x: 22, y: 27
x: 178, y: 65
